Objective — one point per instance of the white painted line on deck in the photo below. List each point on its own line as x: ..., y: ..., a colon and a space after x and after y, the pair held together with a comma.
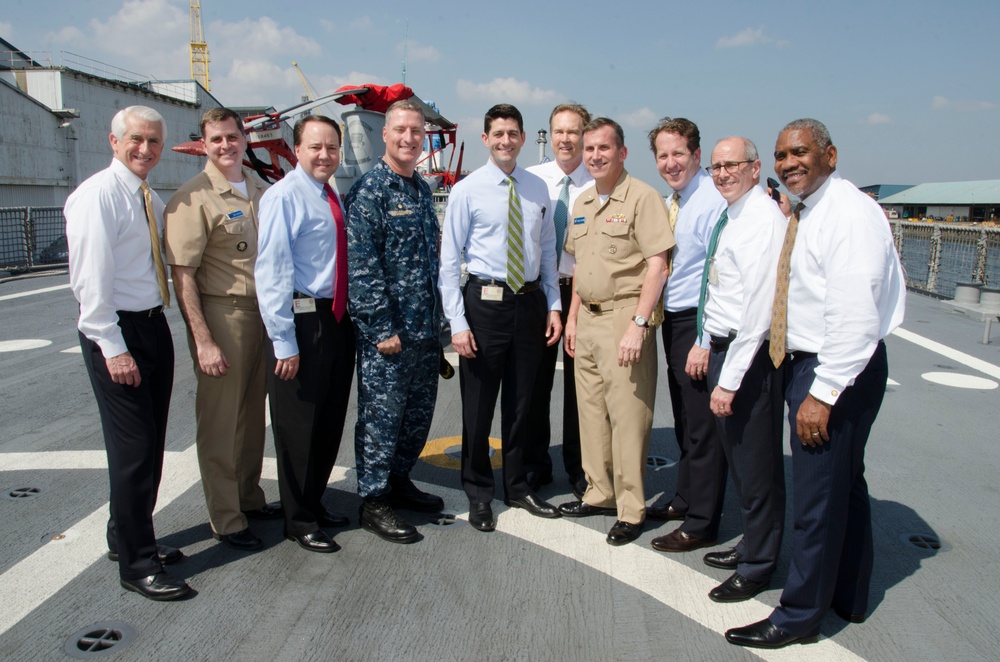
x: 960, y: 381
x: 75, y: 349
x: 23, y: 344
x: 953, y: 354
x: 29, y: 293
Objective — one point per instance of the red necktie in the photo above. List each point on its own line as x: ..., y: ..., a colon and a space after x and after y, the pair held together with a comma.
x: 340, y: 278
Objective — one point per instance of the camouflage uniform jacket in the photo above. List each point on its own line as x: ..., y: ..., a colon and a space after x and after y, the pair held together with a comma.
x: 392, y: 257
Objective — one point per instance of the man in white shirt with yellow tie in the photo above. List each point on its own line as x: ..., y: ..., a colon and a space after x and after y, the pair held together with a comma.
x: 114, y: 227
x: 840, y: 291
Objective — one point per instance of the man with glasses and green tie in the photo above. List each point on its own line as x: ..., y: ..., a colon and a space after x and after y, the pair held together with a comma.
x: 734, y: 316
x: 506, y: 313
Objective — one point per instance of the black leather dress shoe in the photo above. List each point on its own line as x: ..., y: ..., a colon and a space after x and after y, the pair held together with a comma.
x: 764, y: 634
x: 727, y: 560
x: 664, y: 513
x: 679, y: 541
x: 316, y: 541
x: 850, y: 616
x: 160, y: 586
x: 167, y: 554
x: 584, y: 509
x: 579, y: 486
x: 481, y: 516
x: 331, y: 519
x: 376, y: 515
x: 404, y: 494
x: 243, y: 540
x: 535, y: 506
x: 623, y: 533
x: 538, y: 479
x: 267, y: 511
x: 736, y: 589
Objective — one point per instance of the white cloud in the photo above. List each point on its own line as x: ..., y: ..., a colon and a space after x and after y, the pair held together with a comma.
x: 268, y: 39
x: 416, y: 52
x: 878, y: 118
x: 748, y: 37
x: 943, y: 103
x: 644, y: 118
x: 504, y: 90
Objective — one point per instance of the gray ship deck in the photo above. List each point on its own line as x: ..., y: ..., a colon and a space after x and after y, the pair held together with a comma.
x: 534, y: 589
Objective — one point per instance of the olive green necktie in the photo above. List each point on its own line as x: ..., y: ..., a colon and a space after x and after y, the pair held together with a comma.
x: 779, y: 314
x: 515, y: 239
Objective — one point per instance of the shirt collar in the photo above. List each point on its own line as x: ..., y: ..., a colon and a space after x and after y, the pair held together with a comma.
x: 130, y: 179
x: 499, y: 176
x: 691, y: 187
x: 221, y: 183
x: 736, y: 208
x: 817, y: 195
x: 301, y: 174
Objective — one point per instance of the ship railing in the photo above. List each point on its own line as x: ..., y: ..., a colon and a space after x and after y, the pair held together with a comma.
x: 32, y: 238
x: 936, y: 256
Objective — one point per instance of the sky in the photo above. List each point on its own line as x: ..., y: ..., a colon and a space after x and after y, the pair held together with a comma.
x: 904, y: 88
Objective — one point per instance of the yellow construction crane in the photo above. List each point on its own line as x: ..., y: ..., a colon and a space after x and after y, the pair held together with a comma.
x: 310, y: 90
x: 199, y: 49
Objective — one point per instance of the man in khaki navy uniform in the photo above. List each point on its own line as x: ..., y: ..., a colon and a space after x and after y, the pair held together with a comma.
x: 211, y: 240
x: 620, y: 236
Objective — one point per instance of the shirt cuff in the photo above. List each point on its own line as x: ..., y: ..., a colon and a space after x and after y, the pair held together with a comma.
x: 458, y: 325
x: 825, y: 391
x: 285, y: 349
x: 112, y: 346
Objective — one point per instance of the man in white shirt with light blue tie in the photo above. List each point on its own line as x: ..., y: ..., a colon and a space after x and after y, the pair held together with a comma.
x: 565, y: 176
x: 506, y: 313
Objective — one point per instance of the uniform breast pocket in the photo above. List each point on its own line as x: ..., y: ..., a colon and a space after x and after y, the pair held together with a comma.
x: 616, y: 240
x: 237, y: 237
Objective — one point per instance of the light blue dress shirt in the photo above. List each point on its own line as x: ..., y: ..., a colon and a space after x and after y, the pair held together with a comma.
x: 297, y: 249
x: 476, y: 221
x: 701, y: 205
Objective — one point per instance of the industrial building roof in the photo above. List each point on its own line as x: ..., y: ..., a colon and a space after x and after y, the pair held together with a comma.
x: 948, y: 193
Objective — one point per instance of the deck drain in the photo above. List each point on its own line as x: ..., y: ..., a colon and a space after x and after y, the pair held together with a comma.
x: 659, y: 462
x: 444, y: 518
x: 99, y: 640
x: 927, y: 542
x: 23, y: 492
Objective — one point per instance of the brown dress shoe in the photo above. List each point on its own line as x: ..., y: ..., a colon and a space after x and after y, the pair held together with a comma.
x: 664, y: 513
x: 678, y: 541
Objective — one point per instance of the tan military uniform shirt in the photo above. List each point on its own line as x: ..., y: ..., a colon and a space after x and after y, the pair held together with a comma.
x: 212, y: 227
x: 612, y: 240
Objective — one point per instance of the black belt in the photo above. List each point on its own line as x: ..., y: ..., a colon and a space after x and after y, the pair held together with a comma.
x: 152, y: 312
x: 566, y: 281
x: 721, y: 343
x: 527, y: 287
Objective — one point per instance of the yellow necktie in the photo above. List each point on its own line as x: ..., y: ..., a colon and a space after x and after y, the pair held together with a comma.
x: 675, y: 208
x: 779, y: 314
x: 154, y: 239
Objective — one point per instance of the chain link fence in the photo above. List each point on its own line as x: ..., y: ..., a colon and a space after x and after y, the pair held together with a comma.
x: 31, y: 238
x: 936, y: 256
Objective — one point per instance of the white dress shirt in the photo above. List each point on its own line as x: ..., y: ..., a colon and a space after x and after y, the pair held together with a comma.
x: 846, y: 289
x: 701, y: 205
x: 746, y: 261
x: 296, y: 252
x: 111, y: 260
x: 552, y: 175
x: 476, y: 221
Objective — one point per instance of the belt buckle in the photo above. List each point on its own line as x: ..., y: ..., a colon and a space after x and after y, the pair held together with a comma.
x: 594, y: 306
x: 155, y: 310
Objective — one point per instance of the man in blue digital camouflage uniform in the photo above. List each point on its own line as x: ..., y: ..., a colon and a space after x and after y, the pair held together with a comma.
x: 392, y: 235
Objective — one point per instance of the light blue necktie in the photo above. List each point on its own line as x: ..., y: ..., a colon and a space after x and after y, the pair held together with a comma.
x: 713, y: 243
x: 562, y: 214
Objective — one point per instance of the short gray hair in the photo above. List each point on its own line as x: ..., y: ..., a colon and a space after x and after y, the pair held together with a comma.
x: 142, y: 113
x: 749, y: 149
x: 406, y: 104
x: 819, y: 131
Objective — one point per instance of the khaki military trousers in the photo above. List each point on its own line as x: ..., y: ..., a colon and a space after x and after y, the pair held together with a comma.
x: 230, y: 412
x: 616, y: 411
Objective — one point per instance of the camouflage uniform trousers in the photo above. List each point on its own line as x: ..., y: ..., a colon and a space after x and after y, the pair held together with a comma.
x: 396, y: 396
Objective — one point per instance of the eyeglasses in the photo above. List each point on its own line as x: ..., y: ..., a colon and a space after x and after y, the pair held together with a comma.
x: 731, y: 167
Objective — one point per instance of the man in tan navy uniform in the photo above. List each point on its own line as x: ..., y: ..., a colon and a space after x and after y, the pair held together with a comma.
x: 211, y: 241
x: 620, y: 236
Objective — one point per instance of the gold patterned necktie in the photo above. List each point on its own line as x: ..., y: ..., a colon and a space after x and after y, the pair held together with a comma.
x: 154, y: 240
x: 515, y: 239
x: 779, y: 314
x: 672, y: 212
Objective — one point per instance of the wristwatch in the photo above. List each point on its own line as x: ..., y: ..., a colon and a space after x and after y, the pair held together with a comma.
x: 641, y: 321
